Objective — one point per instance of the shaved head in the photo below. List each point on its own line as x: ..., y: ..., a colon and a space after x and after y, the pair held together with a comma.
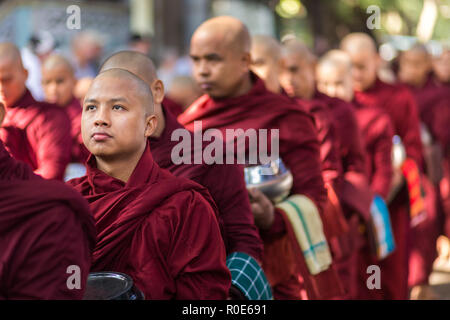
x: 358, y: 41
x: 333, y: 75
x: 134, y: 62
x: 299, y: 49
x: 58, y: 80
x: 441, y: 66
x: 267, y: 45
x: 142, y: 66
x: 266, y: 58
x: 415, y: 65
x: 9, y: 52
x: 298, y: 76
x: 336, y: 59
x: 230, y: 31
x: 117, y: 120
x: 55, y: 61
x: 139, y: 86
x: 365, y: 60
x: 220, y: 50
x: 12, y: 74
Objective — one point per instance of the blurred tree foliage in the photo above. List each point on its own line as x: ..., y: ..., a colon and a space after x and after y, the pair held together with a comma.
x: 323, y: 23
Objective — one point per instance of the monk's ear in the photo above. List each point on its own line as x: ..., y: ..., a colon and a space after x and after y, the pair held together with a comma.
x: 247, y: 59
x: 2, y: 113
x: 25, y: 73
x: 151, y: 123
x: 158, y: 91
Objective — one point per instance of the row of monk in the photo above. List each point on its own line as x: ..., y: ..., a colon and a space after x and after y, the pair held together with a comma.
x: 195, y: 231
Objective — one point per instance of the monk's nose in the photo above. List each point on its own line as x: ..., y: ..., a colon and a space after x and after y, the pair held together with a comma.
x: 101, y: 119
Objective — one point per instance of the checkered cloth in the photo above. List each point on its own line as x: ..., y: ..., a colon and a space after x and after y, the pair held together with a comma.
x: 247, y: 275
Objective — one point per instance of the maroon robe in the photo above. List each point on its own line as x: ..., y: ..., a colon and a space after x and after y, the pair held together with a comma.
x: 159, y: 229
x: 401, y: 108
x: 399, y: 104
x: 299, y: 149
x: 73, y: 111
x: 353, y: 192
x: 172, y: 106
x: 38, y: 134
x: 46, y: 227
x: 226, y: 185
x: 433, y: 102
x: 332, y: 173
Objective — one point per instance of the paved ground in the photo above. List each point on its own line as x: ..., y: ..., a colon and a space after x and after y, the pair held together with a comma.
x: 440, y: 283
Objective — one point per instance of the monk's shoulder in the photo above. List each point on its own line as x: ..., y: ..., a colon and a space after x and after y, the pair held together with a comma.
x: 189, y: 200
x: 80, y: 184
x: 47, y: 112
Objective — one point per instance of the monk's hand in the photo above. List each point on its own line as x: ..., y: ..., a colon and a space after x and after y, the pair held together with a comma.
x: 262, y: 208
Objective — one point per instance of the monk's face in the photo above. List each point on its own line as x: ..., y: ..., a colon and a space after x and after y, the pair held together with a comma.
x: 297, y: 76
x: 266, y: 67
x: 113, y: 122
x: 12, y: 81
x: 414, y: 67
x: 364, y: 68
x: 441, y: 67
x: 335, y: 82
x: 218, y: 68
x: 58, y: 84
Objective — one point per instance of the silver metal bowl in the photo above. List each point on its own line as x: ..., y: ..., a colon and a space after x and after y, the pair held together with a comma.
x: 273, y: 179
x: 398, y: 152
x: 111, y: 286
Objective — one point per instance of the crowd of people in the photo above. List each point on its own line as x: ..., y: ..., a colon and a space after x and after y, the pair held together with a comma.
x: 195, y: 230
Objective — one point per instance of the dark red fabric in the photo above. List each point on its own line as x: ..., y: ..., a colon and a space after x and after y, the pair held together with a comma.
x: 299, y: 149
x: 38, y: 134
x: 226, y: 185
x: 73, y: 111
x: 399, y: 104
x: 401, y: 108
x: 173, y: 107
x: 334, y: 222
x: 353, y: 192
x: 159, y: 229
x: 433, y: 102
x: 377, y: 132
x: 46, y: 227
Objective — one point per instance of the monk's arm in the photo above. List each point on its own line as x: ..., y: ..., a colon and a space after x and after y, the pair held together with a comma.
x: 409, y: 127
x: 299, y: 150
x: 329, y: 152
x: 197, y: 257
x: 227, y: 187
x: 181, y: 239
x: 52, y: 144
x: 52, y: 244
x: 382, y: 171
x: 354, y: 160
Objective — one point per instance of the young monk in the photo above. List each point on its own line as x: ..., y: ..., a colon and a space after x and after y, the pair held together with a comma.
x: 334, y: 78
x: 34, y: 132
x: 47, y: 231
x: 432, y: 101
x: 298, y: 79
x: 58, y: 82
x: 144, y: 216
x: 399, y: 104
x: 183, y: 91
x: 237, y: 99
x: 225, y: 182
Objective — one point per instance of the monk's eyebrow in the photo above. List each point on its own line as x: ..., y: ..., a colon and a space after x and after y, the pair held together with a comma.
x: 120, y: 99
x: 90, y: 101
x: 113, y: 100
